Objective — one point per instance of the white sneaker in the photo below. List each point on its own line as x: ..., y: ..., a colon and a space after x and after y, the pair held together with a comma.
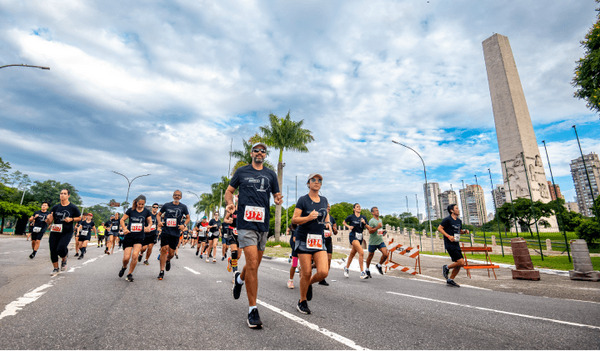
x: 363, y: 275
x: 207, y: 259
x: 290, y: 284
x: 214, y: 260
x: 346, y: 272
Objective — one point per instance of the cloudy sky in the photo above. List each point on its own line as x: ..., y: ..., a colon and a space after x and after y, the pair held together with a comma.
x: 163, y: 88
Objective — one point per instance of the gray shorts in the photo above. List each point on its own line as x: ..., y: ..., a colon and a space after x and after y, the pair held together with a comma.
x: 248, y: 237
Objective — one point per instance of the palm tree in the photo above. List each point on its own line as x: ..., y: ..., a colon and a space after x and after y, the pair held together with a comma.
x: 284, y: 134
x: 244, y: 156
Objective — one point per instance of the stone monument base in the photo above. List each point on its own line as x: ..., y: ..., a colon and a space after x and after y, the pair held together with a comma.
x: 593, y: 276
x: 526, y: 274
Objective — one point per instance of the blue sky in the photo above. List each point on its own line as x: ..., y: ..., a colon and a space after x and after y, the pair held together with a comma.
x: 163, y: 88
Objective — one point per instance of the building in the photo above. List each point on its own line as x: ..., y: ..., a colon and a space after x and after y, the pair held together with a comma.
x: 432, y: 200
x: 499, y: 195
x: 552, y: 193
x: 572, y: 206
x: 585, y: 200
x: 472, y: 201
x: 446, y: 198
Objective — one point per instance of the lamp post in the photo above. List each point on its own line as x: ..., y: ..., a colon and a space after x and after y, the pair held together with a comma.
x: 586, y: 173
x: 23, y: 65
x: 129, y: 183
x: 426, y: 191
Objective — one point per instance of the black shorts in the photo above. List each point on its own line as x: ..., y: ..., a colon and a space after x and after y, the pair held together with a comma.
x: 455, y: 252
x: 202, y: 239
x: 171, y: 240
x: 132, y: 239
x: 84, y: 238
x: 37, y: 236
x: 149, y: 238
x: 233, y: 240
x: 329, y: 245
x: 100, y: 237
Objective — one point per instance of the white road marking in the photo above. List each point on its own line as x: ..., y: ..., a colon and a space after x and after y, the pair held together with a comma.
x: 12, y: 308
x: 281, y: 270
x: 498, y: 311
x: 349, y: 343
x: 191, y: 270
x: 84, y: 263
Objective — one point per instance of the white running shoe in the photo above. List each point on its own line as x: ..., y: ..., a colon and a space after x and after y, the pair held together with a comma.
x: 346, y: 272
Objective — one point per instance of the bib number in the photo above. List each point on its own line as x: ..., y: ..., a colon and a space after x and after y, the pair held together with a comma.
x: 37, y: 229
x: 171, y: 222
x: 254, y: 214
x: 136, y: 227
x: 235, y: 231
x: 314, y: 241
x: 327, y: 233
x: 114, y: 228
x: 153, y: 227
x: 456, y: 237
x: 56, y: 228
x: 359, y: 236
x: 84, y: 233
x: 380, y: 231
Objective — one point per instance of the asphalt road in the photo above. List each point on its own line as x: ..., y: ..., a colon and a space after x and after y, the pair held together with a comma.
x: 89, y: 307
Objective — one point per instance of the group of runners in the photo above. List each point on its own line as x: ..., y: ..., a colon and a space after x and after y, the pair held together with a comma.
x: 244, y: 230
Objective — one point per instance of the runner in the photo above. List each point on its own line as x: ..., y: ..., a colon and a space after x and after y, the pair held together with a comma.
x: 293, y: 256
x: 224, y: 240
x: 232, y: 240
x: 62, y: 217
x: 101, y: 231
x: 37, y: 227
x: 77, y: 236
x: 150, y: 237
x: 329, y: 243
x: 451, y: 228
x: 376, y: 234
x: 173, y: 213
x: 140, y: 222
x: 214, y: 231
x: 84, y: 233
x: 357, y: 223
x: 194, y: 237
x: 113, y: 233
x: 312, y: 218
x: 255, y: 184
x: 202, y: 228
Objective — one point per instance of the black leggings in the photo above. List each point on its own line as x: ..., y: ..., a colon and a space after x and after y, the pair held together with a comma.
x: 59, y: 245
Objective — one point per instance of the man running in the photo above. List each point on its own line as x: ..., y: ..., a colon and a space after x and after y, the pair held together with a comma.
x: 202, y: 228
x: 84, y: 233
x: 151, y: 236
x: 140, y: 222
x: 357, y: 223
x: 255, y: 184
x: 451, y: 228
x: 113, y: 233
x: 214, y: 227
x: 62, y: 217
x: 376, y: 241
x: 224, y: 239
x: 173, y: 213
x: 329, y: 242
x: 101, y: 231
x: 38, y: 227
x: 232, y: 240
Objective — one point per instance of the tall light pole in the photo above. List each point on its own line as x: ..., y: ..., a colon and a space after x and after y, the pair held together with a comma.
x: 23, y: 65
x: 426, y: 191
x: 129, y: 182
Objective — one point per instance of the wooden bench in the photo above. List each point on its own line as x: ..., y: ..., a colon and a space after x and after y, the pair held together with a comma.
x: 488, y: 262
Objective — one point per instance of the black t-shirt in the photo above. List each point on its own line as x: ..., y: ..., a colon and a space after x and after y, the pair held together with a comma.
x: 173, y: 215
x: 224, y: 229
x: 356, y: 222
x: 86, y: 228
x: 40, y: 221
x: 314, y: 226
x: 214, y: 222
x: 113, y: 226
x: 154, y: 224
x: 255, y: 189
x: 60, y: 212
x: 137, y: 220
x: 451, y: 226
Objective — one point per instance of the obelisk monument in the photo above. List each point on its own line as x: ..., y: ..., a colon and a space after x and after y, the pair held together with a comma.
x: 513, y: 125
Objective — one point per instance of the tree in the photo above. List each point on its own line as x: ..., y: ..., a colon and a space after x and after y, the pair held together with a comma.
x: 284, y: 134
x: 589, y: 230
x: 340, y: 211
x: 101, y: 213
x: 49, y: 190
x: 525, y: 214
x: 587, y: 72
x: 10, y: 209
x: 4, y: 168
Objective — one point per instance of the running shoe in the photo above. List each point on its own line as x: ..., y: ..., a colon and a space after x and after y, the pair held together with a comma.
x: 55, y: 272
x: 379, y: 269
x: 452, y: 283
x: 363, y: 275
x: 146, y: 262
x: 254, y: 319
x: 290, y: 259
x: 290, y: 283
x: 214, y: 260
x: 196, y: 253
x: 32, y: 255
x: 368, y: 273
x: 223, y: 258
x: 200, y: 256
x: 207, y: 259
x: 140, y: 258
x: 229, y: 264
x: 63, y: 265
x: 346, y: 272
x: 236, y: 290
x: 122, y: 271
x: 302, y: 307
x: 445, y: 271
x: 234, y: 269
x: 161, y: 275
x: 77, y: 254
x: 176, y: 256
x: 168, y: 265
x: 298, y: 269
x: 80, y: 257
x: 129, y: 278
x: 324, y: 282
x: 309, y: 293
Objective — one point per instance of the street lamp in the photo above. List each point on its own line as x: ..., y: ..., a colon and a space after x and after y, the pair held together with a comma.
x: 426, y: 191
x: 23, y: 65
x: 129, y: 182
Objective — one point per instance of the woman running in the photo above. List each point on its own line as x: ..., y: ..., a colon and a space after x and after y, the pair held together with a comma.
x: 61, y: 220
x: 85, y: 229
x: 140, y: 221
x: 312, y: 219
x: 38, y: 227
x: 150, y: 238
x: 357, y: 223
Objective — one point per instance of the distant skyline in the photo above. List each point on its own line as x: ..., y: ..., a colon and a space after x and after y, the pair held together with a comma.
x: 163, y: 88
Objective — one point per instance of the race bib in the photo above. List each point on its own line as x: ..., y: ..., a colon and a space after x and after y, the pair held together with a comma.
x: 314, y: 241
x: 171, y: 222
x: 84, y: 233
x: 327, y: 233
x: 114, y: 228
x: 457, y: 237
x: 235, y: 231
x: 359, y: 236
x: 37, y: 229
x: 380, y: 231
x: 136, y: 227
x: 254, y: 214
x: 202, y: 230
x: 56, y: 228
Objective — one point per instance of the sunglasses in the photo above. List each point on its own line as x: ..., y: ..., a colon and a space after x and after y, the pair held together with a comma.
x: 316, y: 180
x: 262, y: 151
x: 154, y: 206
x: 176, y: 195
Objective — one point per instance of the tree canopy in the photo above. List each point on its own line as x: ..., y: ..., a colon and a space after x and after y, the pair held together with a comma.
x: 587, y: 72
